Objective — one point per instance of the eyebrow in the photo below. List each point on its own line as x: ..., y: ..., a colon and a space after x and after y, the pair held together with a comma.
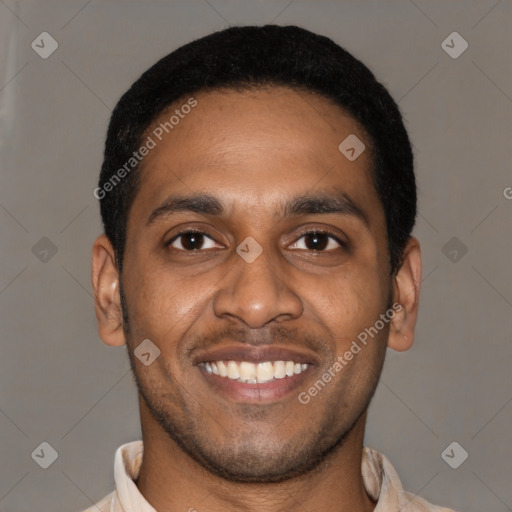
x: 307, y: 204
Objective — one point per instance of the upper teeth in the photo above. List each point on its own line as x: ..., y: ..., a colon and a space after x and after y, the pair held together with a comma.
x: 252, y: 373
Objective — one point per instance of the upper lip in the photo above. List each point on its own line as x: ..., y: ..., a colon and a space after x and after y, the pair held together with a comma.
x: 254, y: 354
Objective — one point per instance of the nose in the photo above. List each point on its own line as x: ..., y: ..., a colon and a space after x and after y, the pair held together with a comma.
x: 257, y: 293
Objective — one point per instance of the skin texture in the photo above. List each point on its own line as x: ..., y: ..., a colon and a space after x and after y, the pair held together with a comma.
x: 254, y: 151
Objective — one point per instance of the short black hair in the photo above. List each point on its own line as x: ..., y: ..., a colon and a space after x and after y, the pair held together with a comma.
x: 257, y: 56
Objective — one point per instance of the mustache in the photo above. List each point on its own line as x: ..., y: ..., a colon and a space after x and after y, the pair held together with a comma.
x: 274, y: 335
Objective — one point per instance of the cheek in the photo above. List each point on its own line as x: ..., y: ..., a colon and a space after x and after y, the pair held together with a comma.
x: 351, y: 303
x: 163, y: 304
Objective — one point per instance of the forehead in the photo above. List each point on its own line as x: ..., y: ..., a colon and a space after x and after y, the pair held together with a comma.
x: 252, y: 148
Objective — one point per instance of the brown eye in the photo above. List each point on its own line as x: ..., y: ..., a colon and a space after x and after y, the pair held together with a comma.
x: 317, y: 241
x: 191, y: 241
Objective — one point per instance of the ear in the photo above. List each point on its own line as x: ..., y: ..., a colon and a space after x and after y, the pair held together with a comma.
x: 406, y: 292
x: 107, y: 300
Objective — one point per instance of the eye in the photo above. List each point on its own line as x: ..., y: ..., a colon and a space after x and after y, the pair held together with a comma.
x: 191, y: 241
x: 319, y: 241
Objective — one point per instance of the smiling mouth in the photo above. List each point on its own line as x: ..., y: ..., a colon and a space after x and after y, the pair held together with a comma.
x: 254, y: 373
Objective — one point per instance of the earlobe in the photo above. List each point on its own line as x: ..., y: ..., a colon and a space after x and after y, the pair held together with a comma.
x: 406, y: 298
x: 107, y: 300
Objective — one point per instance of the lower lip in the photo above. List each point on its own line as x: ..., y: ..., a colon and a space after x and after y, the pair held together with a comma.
x: 256, y: 393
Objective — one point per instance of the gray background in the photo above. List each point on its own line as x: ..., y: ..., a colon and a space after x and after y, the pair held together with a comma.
x: 61, y: 384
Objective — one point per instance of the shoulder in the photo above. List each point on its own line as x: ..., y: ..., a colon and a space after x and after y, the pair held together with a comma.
x: 105, y: 505
x: 383, y: 484
x: 415, y: 503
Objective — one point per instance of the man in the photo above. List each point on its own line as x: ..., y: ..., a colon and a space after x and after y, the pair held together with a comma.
x: 258, y: 197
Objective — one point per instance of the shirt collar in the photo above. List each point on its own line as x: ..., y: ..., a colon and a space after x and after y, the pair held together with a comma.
x: 126, y: 470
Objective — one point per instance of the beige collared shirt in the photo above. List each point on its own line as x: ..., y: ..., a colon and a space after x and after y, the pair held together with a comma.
x: 379, y: 476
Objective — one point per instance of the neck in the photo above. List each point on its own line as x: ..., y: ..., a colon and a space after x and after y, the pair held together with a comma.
x: 171, y: 481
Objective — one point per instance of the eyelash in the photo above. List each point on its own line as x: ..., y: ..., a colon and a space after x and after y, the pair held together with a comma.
x: 301, y: 235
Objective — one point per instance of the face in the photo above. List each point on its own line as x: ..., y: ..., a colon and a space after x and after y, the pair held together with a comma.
x: 256, y: 254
